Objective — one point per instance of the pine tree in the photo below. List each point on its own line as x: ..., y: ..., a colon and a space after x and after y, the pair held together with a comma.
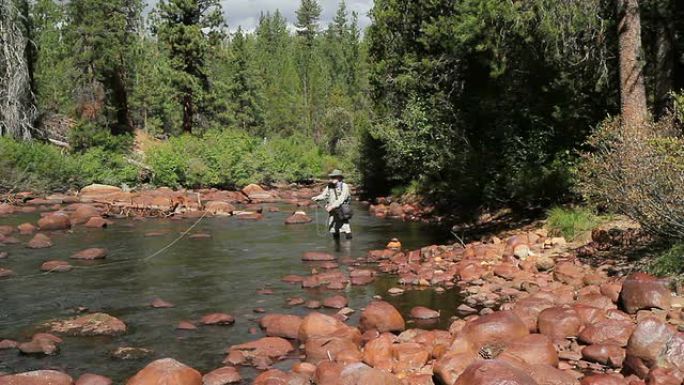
x: 188, y: 29
x: 244, y: 91
x: 308, y: 16
x: 102, y: 34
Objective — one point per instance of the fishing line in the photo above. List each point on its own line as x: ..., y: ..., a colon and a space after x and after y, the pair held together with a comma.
x: 146, y: 259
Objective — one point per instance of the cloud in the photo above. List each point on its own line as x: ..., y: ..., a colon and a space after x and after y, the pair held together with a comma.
x: 245, y: 13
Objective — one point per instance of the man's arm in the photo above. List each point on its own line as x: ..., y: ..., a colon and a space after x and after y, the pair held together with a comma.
x: 322, y: 196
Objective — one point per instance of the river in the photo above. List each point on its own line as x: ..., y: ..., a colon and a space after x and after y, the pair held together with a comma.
x: 220, y: 274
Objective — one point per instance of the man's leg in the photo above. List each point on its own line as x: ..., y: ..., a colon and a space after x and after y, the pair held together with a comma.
x: 346, y: 229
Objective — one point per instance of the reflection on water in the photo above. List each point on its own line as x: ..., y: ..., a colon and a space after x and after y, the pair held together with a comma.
x: 219, y: 274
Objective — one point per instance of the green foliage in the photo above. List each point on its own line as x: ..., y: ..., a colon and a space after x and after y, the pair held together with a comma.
x: 87, y: 134
x: 485, y: 101
x: 188, y: 29
x: 571, y: 222
x: 42, y: 167
x: 669, y: 263
x: 233, y: 158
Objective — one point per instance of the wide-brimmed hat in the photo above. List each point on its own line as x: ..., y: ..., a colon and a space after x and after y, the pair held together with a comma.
x: 336, y: 174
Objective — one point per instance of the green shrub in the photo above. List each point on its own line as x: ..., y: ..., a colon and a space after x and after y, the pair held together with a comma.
x: 42, y: 167
x: 571, y: 222
x: 88, y: 134
x: 669, y: 263
x: 233, y: 158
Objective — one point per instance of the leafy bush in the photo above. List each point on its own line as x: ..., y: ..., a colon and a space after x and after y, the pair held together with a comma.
x: 571, y: 222
x: 669, y: 263
x: 638, y: 173
x: 87, y: 134
x: 233, y: 158
x: 43, y: 167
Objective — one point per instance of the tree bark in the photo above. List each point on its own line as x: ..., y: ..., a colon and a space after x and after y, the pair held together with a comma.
x: 664, y: 58
x: 632, y: 89
x: 187, y: 112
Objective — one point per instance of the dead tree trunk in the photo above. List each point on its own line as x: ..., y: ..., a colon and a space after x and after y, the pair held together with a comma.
x: 17, y: 103
x: 632, y: 89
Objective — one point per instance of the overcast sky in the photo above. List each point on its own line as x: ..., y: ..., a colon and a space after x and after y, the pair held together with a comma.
x: 246, y: 12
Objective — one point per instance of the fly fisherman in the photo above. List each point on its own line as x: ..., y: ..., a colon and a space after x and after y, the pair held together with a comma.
x: 337, y: 196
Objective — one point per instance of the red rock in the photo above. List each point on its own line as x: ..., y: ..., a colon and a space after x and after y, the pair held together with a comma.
x: 218, y: 319
x: 506, y: 270
x: 649, y: 339
x: 222, y: 376
x: 559, y: 322
x: 39, y: 241
x: 603, y: 379
x: 96, y: 223
x: 96, y: 324
x: 382, y: 316
x: 219, y: 208
x: 378, y: 352
x: 298, y: 218
x: 605, y: 354
x: 360, y: 374
x: 596, y: 300
x: 6, y: 209
x: 166, y: 371
x: 83, y: 214
x: 186, y: 325
x: 313, y: 304
x: 569, y: 273
x: 662, y: 376
x: 26, y: 228
x: 273, y: 377
x: 281, y: 325
x: 292, y: 278
x: 528, y: 309
x: 99, y: 191
x: 409, y: 357
x: 422, y: 313
x: 339, y: 349
x: 494, y: 372
x: 532, y: 349
x: 6, y: 230
x: 450, y: 366
x: 54, y: 222
x: 643, y: 291
x: 317, y: 325
x: 328, y: 373
x: 315, y: 256
x: 8, y: 344
x: 159, y: 303
x: 93, y: 379
x: 6, y: 273
x: 335, y: 302
x: 91, y: 254
x: 56, y: 266
x: 498, y: 327
x: 607, y: 332
x: 269, y: 347
x: 547, y: 375
x: 40, y: 344
x: 37, y: 377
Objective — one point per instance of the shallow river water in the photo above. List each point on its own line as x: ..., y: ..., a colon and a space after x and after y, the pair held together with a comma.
x: 200, y: 276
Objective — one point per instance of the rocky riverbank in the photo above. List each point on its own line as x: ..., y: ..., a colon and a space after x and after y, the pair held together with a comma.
x: 533, y: 313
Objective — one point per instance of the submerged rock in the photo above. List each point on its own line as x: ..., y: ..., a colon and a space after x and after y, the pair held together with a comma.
x: 298, y: 218
x: 159, y: 303
x: 54, y: 222
x: 97, y: 324
x: 91, y: 254
x: 423, y: 313
x: 39, y: 241
x: 317, y: 256
x: 56, y: 266
x: 130, y: 353
x: 166, y: 371
x: 222, y: 376
x: 6, y: 273
x: 218, y: 319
